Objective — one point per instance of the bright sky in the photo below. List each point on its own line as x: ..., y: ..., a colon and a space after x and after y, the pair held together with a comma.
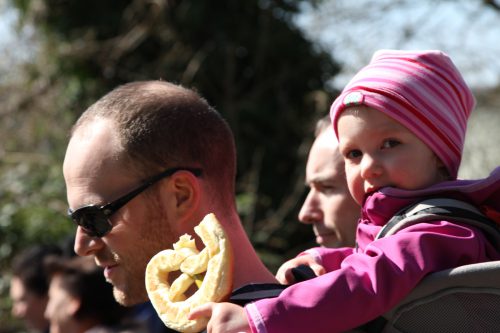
x: 6, y: 24
x: 14, y: 47
x: 353, y: 30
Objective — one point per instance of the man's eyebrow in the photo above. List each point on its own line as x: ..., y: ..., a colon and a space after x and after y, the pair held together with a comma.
x: 323, y: 177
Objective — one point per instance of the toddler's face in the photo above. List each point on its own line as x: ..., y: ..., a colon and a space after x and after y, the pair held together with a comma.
x: 380, y: 152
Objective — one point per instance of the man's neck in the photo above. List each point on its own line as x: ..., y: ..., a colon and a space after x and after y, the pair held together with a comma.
x: 248, y: 267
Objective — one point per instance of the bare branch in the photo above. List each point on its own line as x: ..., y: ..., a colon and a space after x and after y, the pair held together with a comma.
x: 492, y: 3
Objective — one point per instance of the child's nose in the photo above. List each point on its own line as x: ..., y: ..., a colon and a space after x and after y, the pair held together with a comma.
x: 370, y: 167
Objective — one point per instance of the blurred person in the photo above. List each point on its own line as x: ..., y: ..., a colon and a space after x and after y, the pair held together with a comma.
x: 81, y: 301
x: 29, y: 286
x: 328, y: 207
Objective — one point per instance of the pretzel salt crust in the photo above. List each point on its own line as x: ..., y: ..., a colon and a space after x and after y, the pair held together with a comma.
x: 215, y: 260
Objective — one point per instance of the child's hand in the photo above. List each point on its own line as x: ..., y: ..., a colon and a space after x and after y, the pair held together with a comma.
x: 284, y: 274
x: 224, y: 317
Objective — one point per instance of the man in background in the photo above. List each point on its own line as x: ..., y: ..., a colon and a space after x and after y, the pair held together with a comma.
x: 329, y: 207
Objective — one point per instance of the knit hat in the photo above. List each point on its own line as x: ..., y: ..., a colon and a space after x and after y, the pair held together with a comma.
x: 422, y: 90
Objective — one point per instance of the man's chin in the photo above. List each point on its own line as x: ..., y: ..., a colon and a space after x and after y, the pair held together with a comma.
x: 129, y: 299
x: 327, y: 240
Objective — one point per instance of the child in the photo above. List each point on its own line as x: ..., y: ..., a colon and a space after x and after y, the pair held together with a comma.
x: 401, y: 125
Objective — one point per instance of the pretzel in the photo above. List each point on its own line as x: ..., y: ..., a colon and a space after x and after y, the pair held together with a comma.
x: 210, y: 269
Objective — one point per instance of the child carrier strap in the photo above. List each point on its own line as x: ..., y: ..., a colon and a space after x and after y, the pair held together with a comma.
x: 438, y: 209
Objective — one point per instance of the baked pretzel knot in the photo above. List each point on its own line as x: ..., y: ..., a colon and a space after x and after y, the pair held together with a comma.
x: 210, y: 269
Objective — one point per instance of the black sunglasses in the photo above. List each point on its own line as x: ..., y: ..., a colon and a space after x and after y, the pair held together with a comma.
x: 94, y: 220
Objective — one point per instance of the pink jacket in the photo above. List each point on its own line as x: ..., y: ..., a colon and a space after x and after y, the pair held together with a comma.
x: 365, y: 283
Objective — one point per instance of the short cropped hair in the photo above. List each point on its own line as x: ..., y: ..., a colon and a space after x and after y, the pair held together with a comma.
x: 28, y: 267
x: 322, y: 124
x: 163, y: 125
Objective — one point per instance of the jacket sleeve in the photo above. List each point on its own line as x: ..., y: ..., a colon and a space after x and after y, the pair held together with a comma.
x: 368, y: 283
x: 329, y: 258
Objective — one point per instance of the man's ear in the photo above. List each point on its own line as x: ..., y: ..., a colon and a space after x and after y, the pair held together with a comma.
x: 185, y: 192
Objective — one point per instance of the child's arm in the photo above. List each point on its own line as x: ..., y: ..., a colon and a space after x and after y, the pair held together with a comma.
x: 321, y: 260
x: 285, y: 275
x: 228, y: 317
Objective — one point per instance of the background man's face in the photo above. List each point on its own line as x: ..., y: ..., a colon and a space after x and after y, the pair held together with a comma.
x: 329, y: 207
x: 28, y: 306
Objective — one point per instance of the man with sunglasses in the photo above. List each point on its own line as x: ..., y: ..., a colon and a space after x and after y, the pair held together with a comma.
x: 143, y: 166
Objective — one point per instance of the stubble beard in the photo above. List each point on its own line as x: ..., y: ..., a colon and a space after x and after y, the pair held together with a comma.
x: 129, y: 299
x: 133, y: 289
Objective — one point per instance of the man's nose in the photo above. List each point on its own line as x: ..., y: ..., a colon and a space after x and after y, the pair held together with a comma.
x: 86, y: 245
x: 310, y: 212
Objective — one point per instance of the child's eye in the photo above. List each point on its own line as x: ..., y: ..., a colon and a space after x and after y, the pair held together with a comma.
x: 391, y: 143
x: 353, y: 154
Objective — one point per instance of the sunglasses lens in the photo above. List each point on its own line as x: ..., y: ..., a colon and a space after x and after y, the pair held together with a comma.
x: 92, y: 221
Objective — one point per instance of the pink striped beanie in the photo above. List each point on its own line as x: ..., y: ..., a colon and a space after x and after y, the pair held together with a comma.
x: 422, y: 90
